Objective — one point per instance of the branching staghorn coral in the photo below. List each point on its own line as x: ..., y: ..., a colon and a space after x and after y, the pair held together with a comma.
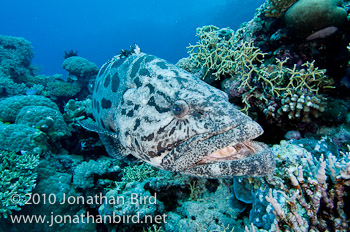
x: 277, y: 8
x: 218, y: 50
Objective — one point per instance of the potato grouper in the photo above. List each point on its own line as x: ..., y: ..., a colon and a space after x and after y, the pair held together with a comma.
x: 165, y: 116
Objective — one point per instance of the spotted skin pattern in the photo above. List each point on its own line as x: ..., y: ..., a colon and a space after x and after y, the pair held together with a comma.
x: 161, y: 114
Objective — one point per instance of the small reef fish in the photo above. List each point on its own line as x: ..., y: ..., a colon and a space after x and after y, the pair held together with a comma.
x: 31, y: 92
x: 165, y: 116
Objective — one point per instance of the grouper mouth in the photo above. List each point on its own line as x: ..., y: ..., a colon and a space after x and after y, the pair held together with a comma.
x: 231, y: 152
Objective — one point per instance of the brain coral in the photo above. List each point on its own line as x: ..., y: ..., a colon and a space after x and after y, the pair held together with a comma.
x: 44, y: 118
x: 20, y: 137
x: 308, y: 16
x: 10, y: 106
x: 79, y: 67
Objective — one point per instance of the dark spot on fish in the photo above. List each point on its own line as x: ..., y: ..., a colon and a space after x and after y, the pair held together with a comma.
x: 136, y: 67
x: 106, y: 104
x: 118, y: 62
x: 137, y: 144
x: 144, y: 72
x: 137, y: 124
x: 160, y: 77
x: 160, y: 149
x: 107, y: 80
x: 102, y: 70
x: 129, y: 103
x: 115, y: 82
x: 147, y: 119
x: 123, y: 112
x: 130, y: 113
x: 148, y: 138
x: 145, y: 157
x: 149, y: 58
x: 136, y: 107
x: 181, y: 80
x: 162, y: 129
x: 167, y: 98
x: 162, y: 65
x: 137, y: 81
x: 98, y: 106
x: 152, y: 154
x: 97, y: 86
x: 152, y: 102
x: 172, y: 131
x: 151, y: 88
x: 102, y: 124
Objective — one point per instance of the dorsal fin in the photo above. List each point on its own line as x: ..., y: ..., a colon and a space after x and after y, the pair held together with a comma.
x: 109, y: 139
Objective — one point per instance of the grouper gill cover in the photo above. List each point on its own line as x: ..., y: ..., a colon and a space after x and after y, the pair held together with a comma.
x: 163, y: 115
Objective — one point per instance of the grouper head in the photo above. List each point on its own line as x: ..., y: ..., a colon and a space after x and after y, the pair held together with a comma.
x: 161, y: 114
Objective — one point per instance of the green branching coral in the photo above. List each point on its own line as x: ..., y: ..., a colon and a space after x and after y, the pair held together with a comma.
x: 295, y: 90
x: 138, y: 172
x: 277, y: 8
x: 275, y: 88
x: 218, y: 50
x: 279, y: 78
x: 17, y: 179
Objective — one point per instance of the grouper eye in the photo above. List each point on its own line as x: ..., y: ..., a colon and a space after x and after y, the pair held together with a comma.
x: 180, y: 108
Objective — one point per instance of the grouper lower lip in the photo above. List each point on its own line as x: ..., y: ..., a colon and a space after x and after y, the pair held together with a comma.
x: 224, y: 154
x: 260, y: 163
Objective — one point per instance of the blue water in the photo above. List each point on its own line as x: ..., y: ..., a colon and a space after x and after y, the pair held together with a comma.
x: 99, y: 29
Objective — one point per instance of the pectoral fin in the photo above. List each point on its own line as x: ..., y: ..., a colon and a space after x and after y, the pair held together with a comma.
x: 109, y: 139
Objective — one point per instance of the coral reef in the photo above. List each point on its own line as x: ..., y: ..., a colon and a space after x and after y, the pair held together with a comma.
x: 27, y: 139
x: 10, y: 107
x: 75, y: 111
x: 268, y: 68
x: 17, y: 179
x: 37, y: 121
x: 280, y: 92
x: 218, y: 50
x: 80, y: 67
x: 15, y: 56
x: 46, y: 119
x: 85, y: 174
x: 308, y: 16
x: 61, y: 89
x: 277, y: 8
x: 309, y: 194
